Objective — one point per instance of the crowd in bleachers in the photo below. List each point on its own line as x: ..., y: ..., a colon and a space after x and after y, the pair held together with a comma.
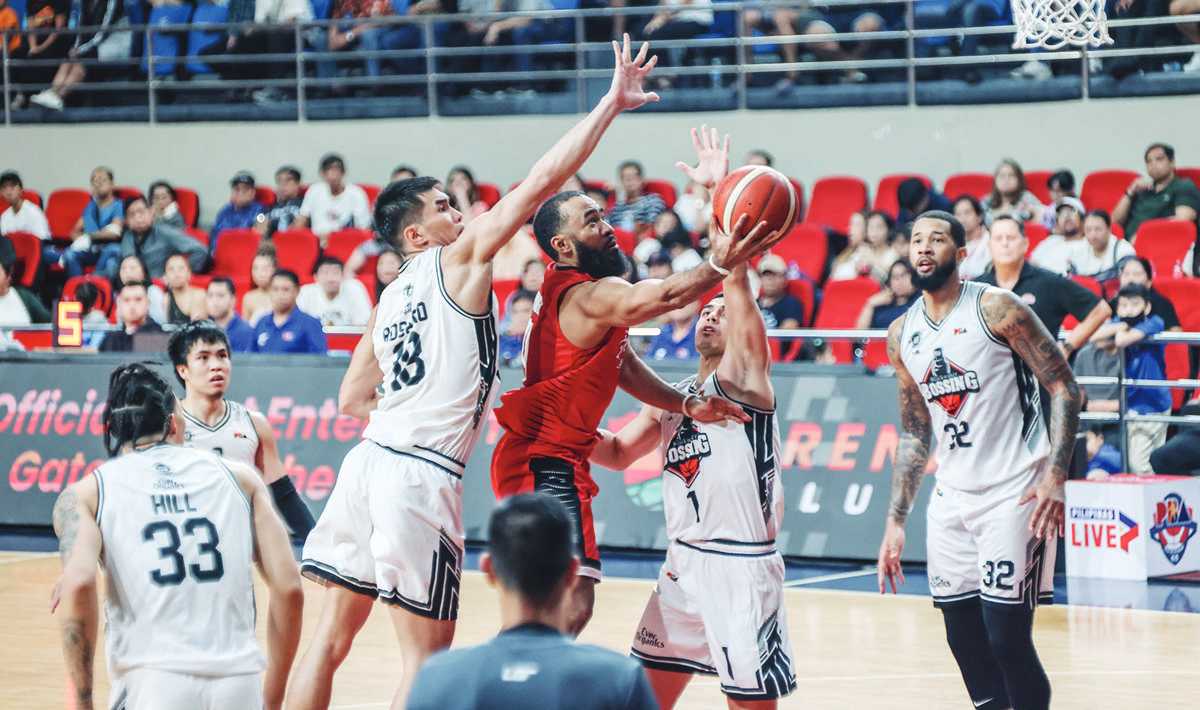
x: 43, y: 30
x: 279, y: 264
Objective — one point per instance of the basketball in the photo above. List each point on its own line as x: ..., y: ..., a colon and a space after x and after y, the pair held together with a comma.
x: 763, y: 194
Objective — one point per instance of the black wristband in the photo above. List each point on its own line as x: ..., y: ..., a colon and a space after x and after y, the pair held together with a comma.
x: 295, y: 513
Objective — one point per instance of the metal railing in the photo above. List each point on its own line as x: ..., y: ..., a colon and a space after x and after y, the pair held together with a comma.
x: 733, y: 69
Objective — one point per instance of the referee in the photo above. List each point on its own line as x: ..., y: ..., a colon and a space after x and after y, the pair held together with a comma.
x: 532, y: 663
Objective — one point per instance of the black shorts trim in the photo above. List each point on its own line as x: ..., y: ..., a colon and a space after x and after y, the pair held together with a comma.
x: 767, y: 553
x: 439, y: 454
x: 398, y: 600
x: 673, y: 665
x: 1015, y: 605
x: 408, y: 454
x: 445, y: 578
x: 741, y: 694
x: 957, y: 600
x: 322, y: 573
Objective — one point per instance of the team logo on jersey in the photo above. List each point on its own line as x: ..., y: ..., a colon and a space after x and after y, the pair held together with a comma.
x: 688, y: 447
x: 163, y: 469
x: 1173, y: 526
x: 187, y: 435
x: 240, y: 435
x: 948, y: 385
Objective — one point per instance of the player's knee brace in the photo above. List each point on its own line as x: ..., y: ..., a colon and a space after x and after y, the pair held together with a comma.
x: 968, y: 639
x: 1010, y: 635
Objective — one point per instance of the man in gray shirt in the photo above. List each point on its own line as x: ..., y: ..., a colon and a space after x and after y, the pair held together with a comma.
x: 157, y: 242
x: 532, y: 663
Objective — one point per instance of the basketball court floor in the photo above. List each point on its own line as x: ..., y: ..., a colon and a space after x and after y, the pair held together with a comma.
x: 852, y: 646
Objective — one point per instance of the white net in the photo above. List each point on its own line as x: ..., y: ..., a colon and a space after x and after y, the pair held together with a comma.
x: 1052, y: 24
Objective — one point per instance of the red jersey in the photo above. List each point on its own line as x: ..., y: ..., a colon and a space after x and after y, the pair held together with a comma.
x: 566, y: 388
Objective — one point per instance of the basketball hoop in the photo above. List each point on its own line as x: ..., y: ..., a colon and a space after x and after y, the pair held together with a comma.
x: 1053, y: 24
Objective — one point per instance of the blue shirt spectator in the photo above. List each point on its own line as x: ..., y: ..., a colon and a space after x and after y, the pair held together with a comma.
x: 299, y: 333
x: 1102, y: 456
x: 242, y: 212
x: 96, y: 218
x: 1146, y: 360
x: 241, y: 335
x: 675, y: 342
x: 510, y: 348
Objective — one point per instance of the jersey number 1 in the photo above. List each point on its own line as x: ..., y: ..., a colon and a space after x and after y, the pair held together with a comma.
x: 170, y: 551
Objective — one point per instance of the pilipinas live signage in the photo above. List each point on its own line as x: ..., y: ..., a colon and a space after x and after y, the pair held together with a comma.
x: 837, y: 427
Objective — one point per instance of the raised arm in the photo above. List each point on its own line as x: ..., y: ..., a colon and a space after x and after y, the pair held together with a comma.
x: 912, y: 456
x: 489, y: 232
x: 358, y: 393
x: 639, y: 437
x: 639, y: 380
x: 746, y: 364
x: 1010, y: 319
x: 79, y: 543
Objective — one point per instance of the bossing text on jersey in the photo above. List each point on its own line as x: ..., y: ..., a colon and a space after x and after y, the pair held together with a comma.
x: 687, y: 448
x: 948, y: 385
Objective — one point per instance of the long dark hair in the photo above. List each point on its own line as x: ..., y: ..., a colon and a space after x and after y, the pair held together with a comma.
x: 140, y: 404
x: 995, y: 199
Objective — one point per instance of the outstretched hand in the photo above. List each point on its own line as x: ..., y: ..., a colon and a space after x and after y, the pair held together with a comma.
x: 889, y: 571
x: 628, y: 75
x: 740, y: 244
x: 712, y: 158
x: 714, y: 409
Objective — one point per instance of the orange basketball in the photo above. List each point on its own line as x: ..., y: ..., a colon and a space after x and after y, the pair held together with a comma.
x: 763, y: 194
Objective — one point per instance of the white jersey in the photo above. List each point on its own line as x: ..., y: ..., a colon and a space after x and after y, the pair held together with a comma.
x: 983, y: 399
x: 178, y: 550
x: 233, y: 436
x: 439, y: 368
x: 721, y: 487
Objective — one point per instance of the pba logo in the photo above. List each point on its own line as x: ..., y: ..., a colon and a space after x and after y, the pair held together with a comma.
x: 1173, y: 526
x: 687, y: 448
x: 947, y: 384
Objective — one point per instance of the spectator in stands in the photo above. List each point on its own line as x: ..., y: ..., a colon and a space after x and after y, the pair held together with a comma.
x: 287, y: 329
x: 164, y: 203
x: 846, y: 265
x: 516, y: 319
x: 98, y: 231
x: 1138, y: 270
x: 1009, y: 195
x: 694, y: 208
x: 355, y: 31
x: 133, y: 308
x: 219, y: 300
x: 878, y: 255
x: 1160, y: 194
x: 156, y: 241
x: 969, y: 212
x: 402, y: 172
x: 242, y: 212
x: 1051, y: 296
x: 677, y: 20
x: 257, y: 302
x: 676, y: 339
x: 1181, y: 455
x: 24, y: 216
x: 334, y: 299
x: 915, y: 197
x: 1054, y: 253
x: 788, y: 21
x: 781, y: 310
x: 460, y: 185
x: 262, y: 29
x: 17, y: 305
x: 1100, y: 251
x: 893, y: 300
x: 532, y: 276
x: 1061, y: 184
x: 387, y: 268
x: 41, y: 46
x: 288, y: 199
x: 1130, y: 331
x: 637, y: 207
x: 102, y: 15
x: 758, y: 156
x: 134, y: 269
x: 334, y: 204
x: 87, y: 295
x: 184, y: 302
x: 1104, y: 459
x: 10, y: 27
x: 659, y: 266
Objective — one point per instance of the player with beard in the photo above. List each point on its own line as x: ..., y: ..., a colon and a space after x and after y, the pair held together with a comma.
x: 199, y: 352
x: 968, y: 361
x: 576, y: 354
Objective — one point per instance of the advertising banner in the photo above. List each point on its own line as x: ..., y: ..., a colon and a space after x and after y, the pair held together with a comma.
x: 838, y: 429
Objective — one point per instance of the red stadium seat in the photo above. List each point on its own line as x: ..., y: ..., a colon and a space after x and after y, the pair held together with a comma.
x: 104, y: 302
x: 489, y: 194
x: 875, y: 354
x: 664, y: 189
x: 63, y: 210
x: 372, y: 192
x: 189, y: 205
x: 1102, y: 190
x: 503, y: 288
x: 1178, y: 368
x: 296, y: 250
x: 264, y: 196
x: 201, y: 281
x: 1184, y: 294
x: 1090, y: 284
x: 198, y: 234
x: 807, y: 247
x: 885, y: 192
x: 799, y: 188
x: 626, y: 240
x: 1035, y: 232
x: 29, y: 255
x: 125, y: 192
x: 840, y: 306
x: 1192, y: 174
x: 1164, y: 242
x: 1035, y: 182
x: 606, y: 187
x: 341, y: 244
x: 834, y: 199
x: 368, y: 281
x: 804, y: 291
x: 977, y: 185
x: 235, y: 251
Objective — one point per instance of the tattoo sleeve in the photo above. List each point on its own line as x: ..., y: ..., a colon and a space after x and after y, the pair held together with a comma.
x: 912, y: 452
x: 66, y: 522
x: 1013, y: 321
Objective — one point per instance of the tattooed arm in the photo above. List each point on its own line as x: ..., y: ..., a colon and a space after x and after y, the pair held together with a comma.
x: 79, y: 544
x: 1011, y: 320
x: 912, y: 455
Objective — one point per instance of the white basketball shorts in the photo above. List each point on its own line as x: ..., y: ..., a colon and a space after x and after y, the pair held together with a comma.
x: 979, y: 545
x: 392, y: 529
x: 720, y: 614
x: 152, y: 689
